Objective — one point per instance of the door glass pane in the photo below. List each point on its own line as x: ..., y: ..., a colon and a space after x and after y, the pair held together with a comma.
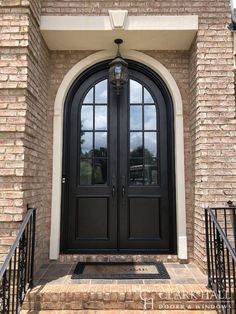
x: 89, y: 97
x: 147, y: 97
x: 86, y: 144
x: 149, y: 117
x: 135, y: 92
x: 136, y: 144
x: 135, y: 117
x: 150, y: 171
x: 86, y: 172
x: 101, y: 92
x: 101, y: 118
x: 136, y: 172
x: 100, y: 144
x: 100, y: 171
x: 150, y: 144
x: 87, y: 117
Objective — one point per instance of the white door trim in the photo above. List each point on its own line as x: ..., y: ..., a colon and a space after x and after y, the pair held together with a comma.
x: 58, y: 141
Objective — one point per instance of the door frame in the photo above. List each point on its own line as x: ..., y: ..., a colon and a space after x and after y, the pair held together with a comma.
x: 152, y: 76
x: 175, y: 96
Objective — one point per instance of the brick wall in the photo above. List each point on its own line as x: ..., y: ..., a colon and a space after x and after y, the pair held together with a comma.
x: 203, y: 8
x: 24, y: 163
x: 13, y: 83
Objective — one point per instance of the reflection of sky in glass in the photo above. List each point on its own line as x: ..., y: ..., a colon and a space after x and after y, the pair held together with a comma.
x: 89, y: 97
x: 135, y: 140
x: 86, y: 143
x: 136, y: 117
x: 87, y: 118
x: 101, y: 92
x: 100, y: 140
x: 135, y: 92
x: 150, y: 142
x: 101, y: 117
x: 147, y: 97
x: 149, y: 117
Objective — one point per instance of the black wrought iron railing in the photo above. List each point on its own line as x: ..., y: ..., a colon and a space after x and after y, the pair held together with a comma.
x: 17, y: 271
x: 221, y: 256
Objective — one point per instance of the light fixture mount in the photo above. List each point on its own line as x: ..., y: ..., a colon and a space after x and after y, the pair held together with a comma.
x: 118, y: 69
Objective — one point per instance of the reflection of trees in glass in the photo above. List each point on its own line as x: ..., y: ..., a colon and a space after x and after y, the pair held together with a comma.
x: 99, y: 175
x: 93, y: 171
x: 85, y: 172
x: 87, y: 154
x: 102, y: 152
x: 142, y: 173
x: 140, y: 152
x: 81, y: 134
x: 100, y: 171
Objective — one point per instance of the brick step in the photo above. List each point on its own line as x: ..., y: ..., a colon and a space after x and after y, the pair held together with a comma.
x: 114, y: 312
x: 119, y: 297
x: 72, y: 258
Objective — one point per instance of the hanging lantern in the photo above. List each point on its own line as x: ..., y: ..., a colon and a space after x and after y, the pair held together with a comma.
x: 118, y: 70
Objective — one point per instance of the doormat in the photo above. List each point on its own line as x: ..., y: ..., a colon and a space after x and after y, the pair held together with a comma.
x: 120, y: 270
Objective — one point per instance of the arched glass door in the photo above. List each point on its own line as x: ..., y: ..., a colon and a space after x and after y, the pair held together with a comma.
x: 117, y: 161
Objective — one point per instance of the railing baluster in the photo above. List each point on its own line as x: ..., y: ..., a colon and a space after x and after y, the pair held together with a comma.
x: 211, y: 251
x: 14, y: 283
x: 234, y: 283
x: 225, y: 221
x: 234, y: 227
x: 229, y: 276
x: 33, y: 249
x: 29, y: 249
x: 4, y: 293
x: 16, y: 274
x: 9, y: 286
x: 18, y: 280
x: 215, y: 258
x: 26, y: 254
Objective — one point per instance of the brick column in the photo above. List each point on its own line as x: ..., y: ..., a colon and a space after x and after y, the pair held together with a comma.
x: 212, y: 121
x: 23, y: 117
x: 13, y: 84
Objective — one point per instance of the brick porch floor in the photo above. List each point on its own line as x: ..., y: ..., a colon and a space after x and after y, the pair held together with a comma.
x: 60, y: 273
x: 55, y: 291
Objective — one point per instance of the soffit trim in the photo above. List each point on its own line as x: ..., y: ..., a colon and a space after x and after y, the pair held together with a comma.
x: 138, y: 32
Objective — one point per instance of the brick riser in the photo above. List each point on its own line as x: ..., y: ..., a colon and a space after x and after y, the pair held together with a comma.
x: 115, y: 312
x: 118, y: 297
x: 69, y: 258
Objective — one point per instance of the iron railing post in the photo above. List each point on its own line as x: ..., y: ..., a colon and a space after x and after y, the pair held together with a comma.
x: 207, y: 248
x: 31, y: 282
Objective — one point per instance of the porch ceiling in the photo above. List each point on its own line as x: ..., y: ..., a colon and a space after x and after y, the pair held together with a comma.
x: 138, y: 32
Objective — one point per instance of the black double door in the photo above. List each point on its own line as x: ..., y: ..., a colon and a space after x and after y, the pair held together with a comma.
x: 117, y: 172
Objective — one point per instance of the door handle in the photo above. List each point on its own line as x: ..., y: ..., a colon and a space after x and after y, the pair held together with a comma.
x: 123, y: 191
x: 123, y: 186
x: 113, y: 191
